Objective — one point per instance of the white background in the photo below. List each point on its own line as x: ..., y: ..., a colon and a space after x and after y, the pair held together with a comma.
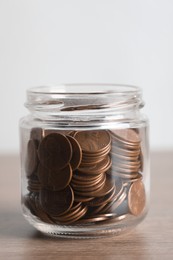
x: 45, y: 42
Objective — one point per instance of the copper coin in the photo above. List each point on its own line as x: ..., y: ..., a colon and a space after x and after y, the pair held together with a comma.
x: 92, y: 219
x: 77, y: 153
x: 129, y: 147
x: 88, y: 183
x: 93, y: 191
x: 101, y: 200
x: 102, y: 166
x: 55, y: 151
x: 118, y: 190
x: 125, y: 158
x: 79, y: 198
x: 30, y: 204
x: 31, y: 158
x: 125, y: 152
x: 41, y: 214
x: 43, y: 175
x: 107, y: 188
x: 115, y: 218
x: 70, y: 214
x: 136, y: 198
x: 131, y: 161
x: 56, y: 131
x: 34, y: 185
x: 95, y: 155
x: 84, y: 177
x: 91, y: 186
x: 93, y: 141
x: 141, y: 159
x: 60, y: 179
x: 91, y: 162
x: 119, y: 187
x: 128, y: 136
x: 56, y: 202
x: 130, y: 179
x: 84, y: 180
x: 124, y: 170
x: 104, y: 190
x: 76, y: 205
x: 115, y: 203
x: 127, y: 176
x: 97, y: 218
x: 36, y: 134
x: 76, y: 217
x: 97, y: 210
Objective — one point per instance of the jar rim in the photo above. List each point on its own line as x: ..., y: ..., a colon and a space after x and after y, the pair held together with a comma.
x: 73, y: 89
x: 86, y: 99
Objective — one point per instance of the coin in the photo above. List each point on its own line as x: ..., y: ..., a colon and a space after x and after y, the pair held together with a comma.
x: 30, y: 204
x: 101, y: 200
x: 60, y: 179
x: 125, y: 170
x: 71, y: 213
x: 55, y: 151
x: 121, y: 150
x: 79, y: 198
x: 129, y: 167
x: 87, y: 183
x: 94, y: 155
x: 77, y: 153
x: 97, y: 168
x: 87, y: 162
x: 93, y: 141
x: 116, y: 218
x: 56, y: 202
x: 127, y: 176
x: 91, y: 186
x: 119, y: 188
x: 94, y: 191
x: 107, y: 187
x: 31, y: 158
x: 115, y: 203
x: 92, y: 219
x: 54, y: 131
x: 128, y: 136
x: 34, y: 185
x: 36, y: 134
x: 96, y: 210
x: 126, y: 158
x: 97, y: 218
x: 41, y: 214
x: 43, y: 175
x: 136, y: 198
x: 117, y: 194
x: 81, y: 212
x: 81, y: 178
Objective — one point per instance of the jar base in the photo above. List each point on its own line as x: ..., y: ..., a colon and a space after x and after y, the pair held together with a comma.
x: 86, y: 231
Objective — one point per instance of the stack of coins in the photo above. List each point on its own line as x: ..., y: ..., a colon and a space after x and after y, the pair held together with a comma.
x: 84, y: 177
x: 125, y: 152
x: 90, y: 178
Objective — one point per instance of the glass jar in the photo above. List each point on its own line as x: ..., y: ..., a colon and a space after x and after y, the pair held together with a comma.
x: 84, y: 159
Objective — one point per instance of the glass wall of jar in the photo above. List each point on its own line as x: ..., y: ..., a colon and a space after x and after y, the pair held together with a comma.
x: 84, y: 159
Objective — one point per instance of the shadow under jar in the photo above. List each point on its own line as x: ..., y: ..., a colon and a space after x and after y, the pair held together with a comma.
x: 84, y: 159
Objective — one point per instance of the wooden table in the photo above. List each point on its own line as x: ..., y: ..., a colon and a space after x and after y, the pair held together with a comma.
x: 152, y: 239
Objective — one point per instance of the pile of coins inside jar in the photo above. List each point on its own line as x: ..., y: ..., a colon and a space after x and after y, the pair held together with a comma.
x: 84, y: 177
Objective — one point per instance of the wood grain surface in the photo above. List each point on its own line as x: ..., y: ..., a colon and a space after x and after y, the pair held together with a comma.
x: 152, y: 239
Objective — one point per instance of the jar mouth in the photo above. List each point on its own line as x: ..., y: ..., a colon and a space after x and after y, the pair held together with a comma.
x: 85, y: 89
x: 83, y: 99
